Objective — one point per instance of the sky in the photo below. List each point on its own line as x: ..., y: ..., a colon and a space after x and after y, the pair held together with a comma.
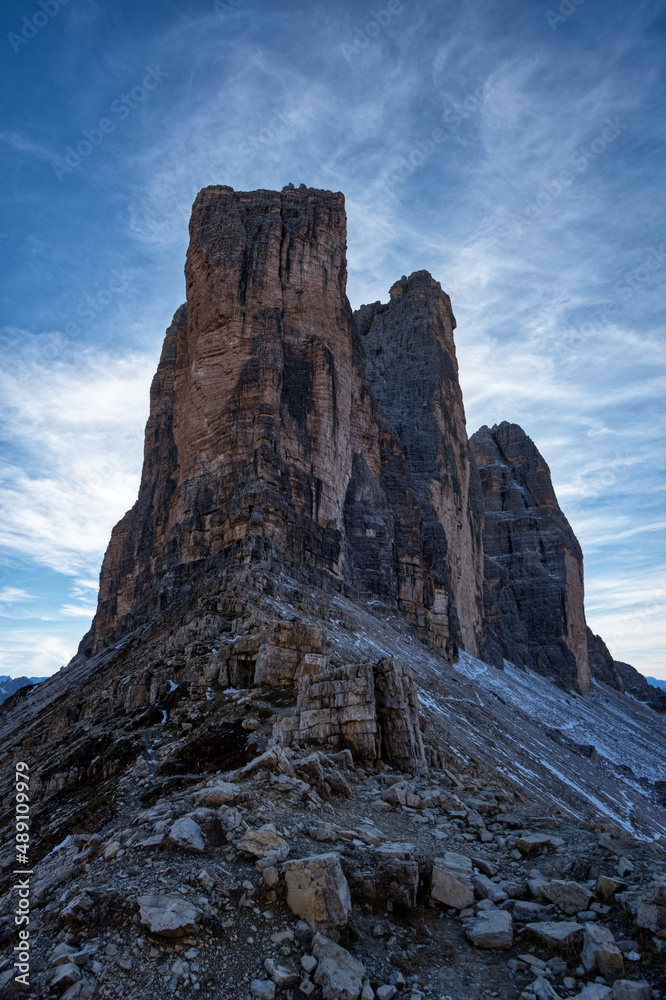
x: 513, y: 149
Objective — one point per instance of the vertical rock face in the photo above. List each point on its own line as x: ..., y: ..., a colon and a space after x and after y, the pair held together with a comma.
x: 412, y: 372
x: 533, y: 562
x: 289, y: 434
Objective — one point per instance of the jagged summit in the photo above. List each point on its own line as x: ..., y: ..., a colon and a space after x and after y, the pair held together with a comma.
x: 292, y: 434
x: 533, y: 563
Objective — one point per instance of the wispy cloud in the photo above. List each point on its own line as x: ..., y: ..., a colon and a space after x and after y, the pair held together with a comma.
x: 14, y: 595
x: 78, y: 428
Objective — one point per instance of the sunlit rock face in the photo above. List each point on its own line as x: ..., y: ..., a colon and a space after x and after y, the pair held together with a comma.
x: 533, y: 563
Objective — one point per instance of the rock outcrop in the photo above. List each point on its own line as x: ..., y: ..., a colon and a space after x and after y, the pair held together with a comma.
x: 622, y: 676
x: 533, y: 563
x: 289, y: 434
x: 372, y: 711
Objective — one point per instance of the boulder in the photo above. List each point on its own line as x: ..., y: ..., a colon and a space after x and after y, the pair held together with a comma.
x: 264, y: 843
x: 77, y: 909
x: 600, y: 951
x: 396, y: 795
x: 532, y: 843
x: 486, y: 889
x: 280, y: 976
x: 525, y: 911
x: 221, y: 794
x: 395, y: 849
x: 168, y: 916
x: 187, y: 834
x: 651, y: 912
x: 595, y: 991
x: 569, y: 896
x: 263, y: 989
x: 558, y: 934
x: 339, y: 975
x: 628, y: 989
x: 317, y: 891
x: 452, y: 881
x: 491, y: 929
x: 65, y: 975
x: 607, y: 886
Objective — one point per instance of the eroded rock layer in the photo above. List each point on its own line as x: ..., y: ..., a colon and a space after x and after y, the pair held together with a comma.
x: 533, y: 563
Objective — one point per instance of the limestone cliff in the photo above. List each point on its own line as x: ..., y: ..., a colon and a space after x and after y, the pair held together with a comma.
x: 533, y: 562
x: 289, y: 434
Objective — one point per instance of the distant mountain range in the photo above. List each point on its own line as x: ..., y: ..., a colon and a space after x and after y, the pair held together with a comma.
x: 656, y: 683
x: 9, y: 685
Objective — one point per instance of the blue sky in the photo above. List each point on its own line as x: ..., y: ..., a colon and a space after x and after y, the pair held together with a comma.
x: 514, y: 149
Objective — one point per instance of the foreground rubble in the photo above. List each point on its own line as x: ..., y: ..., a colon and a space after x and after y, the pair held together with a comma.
x: 305, y: 874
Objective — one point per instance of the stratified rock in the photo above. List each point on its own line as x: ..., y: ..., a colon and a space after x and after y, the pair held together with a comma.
x: 368, y: 710
x: 318, y: 892
x: 491, y: 929
x: 168, y: 916
x: 339, y: 975
x: 398, y: 716
x: 533, y: 563
x: 452, y: 881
